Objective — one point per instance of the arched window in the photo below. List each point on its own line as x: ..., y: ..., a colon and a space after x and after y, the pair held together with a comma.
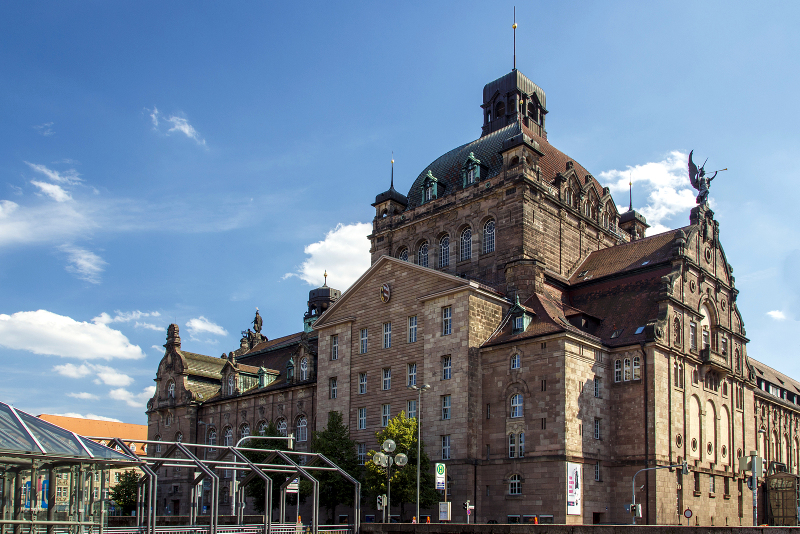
x: 228, y: 436
x: 244, y: 430
x: 158, y: 445
x: 488, y: 237
x: 231, y: 384
x: 617, y: 370
x: 444, y: 252
x: 403, y: 255
x: 171, y: 389
x: 304, y: 369
x: 605, y: 219
x: 515, y: 361
x: 514, y: 485
x: 179, y: 437
x: 422, y: 255
x: 636, y: 371
x: 738, y: 360
x: 282, y: 427
x: 212, y: 438
x: 532, y: 112
x: 568, y: 196
x: 168, y: 421
x: 627, y: 376
x: 516, y: 405
x: 499, y: 109
x: 302, y: 428
x: 466, y: 244
x: 262, y: 428
x: 680, y: 375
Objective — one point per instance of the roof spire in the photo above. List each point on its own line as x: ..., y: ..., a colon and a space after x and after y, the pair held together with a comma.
x: 326, y: 278
x: 515, y: 37
x: 392, y: 184
x: 630, y: 192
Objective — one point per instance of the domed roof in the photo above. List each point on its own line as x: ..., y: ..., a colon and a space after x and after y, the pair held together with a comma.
x: 447, y: 168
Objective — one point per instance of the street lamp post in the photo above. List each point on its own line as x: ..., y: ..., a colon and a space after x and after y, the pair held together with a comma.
x: 419, y: 391
x: 384, y: 459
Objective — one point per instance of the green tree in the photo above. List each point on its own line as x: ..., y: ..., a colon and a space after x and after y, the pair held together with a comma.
x: 403, y: 431
x: 335, y: 444
x: 124, y: 492
x: 255, y: 489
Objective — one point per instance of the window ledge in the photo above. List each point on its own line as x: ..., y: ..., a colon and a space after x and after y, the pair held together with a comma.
x: 712, y: 495
x: 514, y: 497
x: 697, y: 493
x: 726, y: 496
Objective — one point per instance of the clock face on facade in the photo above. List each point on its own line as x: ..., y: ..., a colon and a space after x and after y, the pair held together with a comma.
x: 386, y: 293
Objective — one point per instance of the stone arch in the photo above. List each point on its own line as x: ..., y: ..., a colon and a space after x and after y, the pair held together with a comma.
x: 693, y: 441
x: 443, y: 250
x: 422, y: 252
x: 401, y: 253
x: 711, y: 431
x: 785, y: 458
x: 466, y: 239
x: 725, y: 436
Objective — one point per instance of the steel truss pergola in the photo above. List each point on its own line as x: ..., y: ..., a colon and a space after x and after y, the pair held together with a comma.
x: 231, y: 458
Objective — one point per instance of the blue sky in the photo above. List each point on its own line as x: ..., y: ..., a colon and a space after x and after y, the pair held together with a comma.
x: 174, y: 162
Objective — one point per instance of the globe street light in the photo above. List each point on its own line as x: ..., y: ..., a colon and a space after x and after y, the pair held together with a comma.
x: 419, y: 391
x: 384, y: 459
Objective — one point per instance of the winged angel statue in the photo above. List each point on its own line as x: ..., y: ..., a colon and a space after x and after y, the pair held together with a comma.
x: 699, y: 180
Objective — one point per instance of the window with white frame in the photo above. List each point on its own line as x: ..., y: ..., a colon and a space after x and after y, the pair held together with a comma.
x: 363, y: 344
x: 231, y: 384
x: 446, y: 447
x: 636, y: 368
x: 516, y: 405
x: 515, y: 485
x: 362, y: 418
x: 519, y: 323
x: 512, y: 445
x: 488, y: 237
x: 693, y: 335
x: 627, y: 376
x: 597, y: 428
x: 171, y: 389
x: 386, y: 414
x: 212, y: 438
x: 466, y: 244
x: 387, y: 335
x: 445, y: 407
x: 304, y: 369
x: 362, y: 454
x: 597, y: 470
x: 335, y: 347
x: 282, y: 427
x: 244, y: 430
x: 444, y: 252
x: 617, y: 370
x: 262, y: 428
x: 422, y: 255
x: 597, y: 385
x: 447, y: 320
x: 362, y: 383
x: 403, y: 254
x: 515, y: 361
x: 412, y: 329
x: 447, y: 367
x: 411, y: 409
x: 302, y: 429
x: 521, y: 441
x: 334, y: 387
x: 706, y: 339
x: 412, y: 374
x: 387, y: 378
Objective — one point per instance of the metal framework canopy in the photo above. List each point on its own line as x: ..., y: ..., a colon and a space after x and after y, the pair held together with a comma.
x: 34, y: 454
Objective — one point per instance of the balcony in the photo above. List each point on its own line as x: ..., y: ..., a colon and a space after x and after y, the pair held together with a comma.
x: 714, y: 359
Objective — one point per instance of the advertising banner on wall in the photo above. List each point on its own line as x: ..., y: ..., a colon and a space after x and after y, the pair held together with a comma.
x: 574, y: 489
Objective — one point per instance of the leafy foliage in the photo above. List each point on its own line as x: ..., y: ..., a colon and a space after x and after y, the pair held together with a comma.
x: 124, y: 492
x: 403, y: 431
x: 256, y: 489
x: 335, y: 444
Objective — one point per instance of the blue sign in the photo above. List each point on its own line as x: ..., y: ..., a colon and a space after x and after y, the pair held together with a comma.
x: 45, y: 484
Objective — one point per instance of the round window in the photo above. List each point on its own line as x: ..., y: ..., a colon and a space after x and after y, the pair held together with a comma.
x: 724, y: 451
x: 709, y: 448
x: 694, y: 444
x: 679, y: 441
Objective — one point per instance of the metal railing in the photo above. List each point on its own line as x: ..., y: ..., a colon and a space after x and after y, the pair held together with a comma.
x: 275, y: 528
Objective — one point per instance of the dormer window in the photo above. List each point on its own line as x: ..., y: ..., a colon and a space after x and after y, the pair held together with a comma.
x: 231, y: 384
x: 429, y: 195
x: 471, y: 176
x: 519, y: 323
x: 471, y: 170
x: 430, y: 188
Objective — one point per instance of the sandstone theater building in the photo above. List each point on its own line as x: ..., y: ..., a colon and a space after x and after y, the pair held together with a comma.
x: 557, y: 339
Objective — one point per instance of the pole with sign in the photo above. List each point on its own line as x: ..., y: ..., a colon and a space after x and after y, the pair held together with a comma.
x: 441, y: 478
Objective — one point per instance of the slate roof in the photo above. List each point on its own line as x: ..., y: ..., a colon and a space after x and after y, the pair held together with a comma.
x: 447, y: 168
x: 777, y: 378
x: 202, y: 365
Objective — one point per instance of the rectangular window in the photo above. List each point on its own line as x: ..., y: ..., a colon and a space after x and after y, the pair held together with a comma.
x: 693, y: 335
x: 512, y: 446
x: 447, y: 362
x: 544, y: 385
x: 518, y: 323
x: 362, y: 454
x: 597, y: 471
x: 386, y: 414
x: 446, y: 447
x: 522, y: 444
x: 696, y: 482
x: 445, y: 407
x: 334, y: 388
x: 412, y: 374
x: 726, y: 485
x: 363, y: 346
x: 362, y: 418
x: 387, y: 378
x: 617, y: 370
x: 488, y: 411
x: 724, y: 342
x: 596, y: 428
x: 597, y: 385
x: 334, y: 347
x: 544, y: 423
x: 362, y: 383
x: 412, y: 329
x: 447, y: 321
x: 712, y: 484
x: 411, y: 412
x: 387, y: 335
x: 706, y: 343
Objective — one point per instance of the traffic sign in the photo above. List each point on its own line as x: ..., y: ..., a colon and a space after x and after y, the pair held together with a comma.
x: 441, y: 476
x: 687, y: 513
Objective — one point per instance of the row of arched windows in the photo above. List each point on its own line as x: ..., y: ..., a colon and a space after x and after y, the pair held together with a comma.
x: 626, y: 369
x: 590, y: 208
x: 464, y: 250
x: 301, y: 431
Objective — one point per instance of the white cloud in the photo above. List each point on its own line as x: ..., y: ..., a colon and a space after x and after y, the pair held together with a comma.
x: 180, y: 124
x: 53, y: 191
x: 201, y: 325
x: 83, y: 395
x: 73, y: 371
x: 135, y: 400
x: 44, y: 332
x: 124, y: 317
x: 777, y: 315
x: 7, y: 208
x: 89, y: 416
x: 83, y: 263
x: 70, y: 176
x: 111, y: 377
x: 149, y: 326
x: 154, y: 116
x: 45, y: 129
x: 158, y: 348
x: 344, y: 253
x: 666, y: 184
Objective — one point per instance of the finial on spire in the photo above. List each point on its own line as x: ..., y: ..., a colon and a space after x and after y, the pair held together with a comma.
x: 515, y: 37
x: 630, y: 193
x: 326, y: 278
x: 392, y: 184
